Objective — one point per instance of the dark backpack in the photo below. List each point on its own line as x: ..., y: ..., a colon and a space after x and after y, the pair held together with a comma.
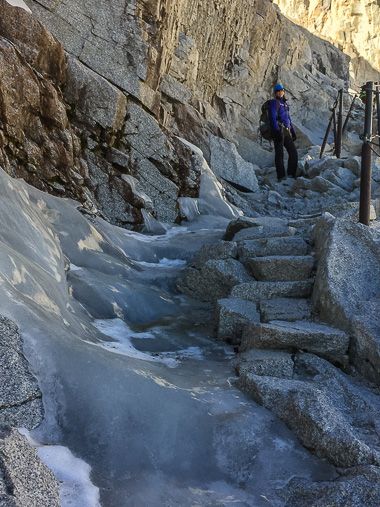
x: 265, y: 125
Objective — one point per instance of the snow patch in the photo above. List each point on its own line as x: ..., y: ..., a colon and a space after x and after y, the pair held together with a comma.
x: 76, y: 488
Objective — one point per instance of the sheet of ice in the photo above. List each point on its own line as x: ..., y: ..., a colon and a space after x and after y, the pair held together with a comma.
x: 152, y: 434
x: 19, y: 3
x: 73, y: 474
x: 188, y: 207
x: 151, y: 225
x: 149, y: 238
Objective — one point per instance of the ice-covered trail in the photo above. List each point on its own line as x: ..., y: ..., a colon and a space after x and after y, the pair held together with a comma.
x: 150, y: 407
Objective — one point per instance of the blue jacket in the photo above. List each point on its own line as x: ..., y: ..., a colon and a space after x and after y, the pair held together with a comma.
x: 279, y: 113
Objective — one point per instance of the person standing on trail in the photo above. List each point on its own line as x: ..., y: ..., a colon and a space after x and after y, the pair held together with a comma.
x: 283, y: 133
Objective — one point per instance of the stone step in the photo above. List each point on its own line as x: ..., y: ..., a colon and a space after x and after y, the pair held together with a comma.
x: 281, y: 268
x: 267, y: 363
x: 263, y: 231
x: 285, y: 309
x: 241, y: 223
x: 257, y: 291
x: 232, y: 315
x: 214, y: 279
x: 324, y: 409
x: 288, y: 245
x: 314, y: 337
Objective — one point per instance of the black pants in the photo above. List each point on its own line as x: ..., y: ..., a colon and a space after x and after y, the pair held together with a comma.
x: 281, y: 141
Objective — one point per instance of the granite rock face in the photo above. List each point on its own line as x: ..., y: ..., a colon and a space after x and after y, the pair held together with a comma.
x: 352, y: 26
x: 281, y: 268
x: 20, y: 396
x: 228, y: 164
x: 272, y: 246
x: 285, y: 309
x: 268, y: 363
x: 36, y: 139
x: 24, y: 479
x: 257, y: 291
x: 106, y: 102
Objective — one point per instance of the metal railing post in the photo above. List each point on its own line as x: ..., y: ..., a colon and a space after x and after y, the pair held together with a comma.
x: 365, y: 176
x: 332, y: 123
x: 334, y: 130
x: 377, y: 91
x: 338, y: 146
x: 326, y: 136
x: 349, y: 114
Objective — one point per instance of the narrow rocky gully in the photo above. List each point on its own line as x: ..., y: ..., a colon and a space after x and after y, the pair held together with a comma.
x: 177, y: 327
x: 189, y: 367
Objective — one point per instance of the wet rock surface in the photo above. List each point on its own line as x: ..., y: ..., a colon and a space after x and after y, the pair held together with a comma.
x: 153, y: 353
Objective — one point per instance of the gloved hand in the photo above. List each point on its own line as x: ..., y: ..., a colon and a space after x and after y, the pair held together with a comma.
x: 294, y: 137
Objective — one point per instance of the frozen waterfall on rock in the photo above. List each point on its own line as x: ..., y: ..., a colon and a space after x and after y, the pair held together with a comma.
x: 133, y: 384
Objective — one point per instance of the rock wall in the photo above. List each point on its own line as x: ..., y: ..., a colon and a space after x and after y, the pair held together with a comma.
x: 347, y: 287
x: 104, y: 108
x: 354, y: 27
x: 37, y: 141
x: 196, y: 64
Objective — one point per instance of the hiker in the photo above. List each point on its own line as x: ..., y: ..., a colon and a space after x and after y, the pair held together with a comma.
x: 283, y: 133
